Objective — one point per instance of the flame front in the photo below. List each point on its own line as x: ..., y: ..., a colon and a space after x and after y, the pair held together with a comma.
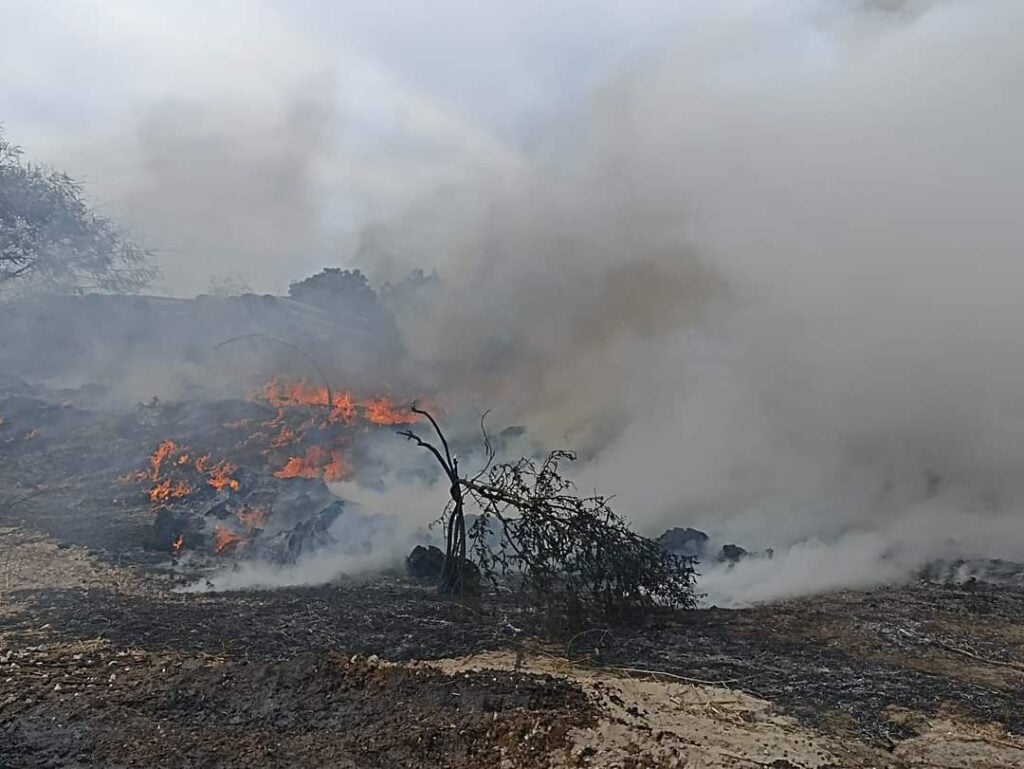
x: 317, y: 462
x: 384, y: 411
x: 224, y: 538
x: 344, y: 405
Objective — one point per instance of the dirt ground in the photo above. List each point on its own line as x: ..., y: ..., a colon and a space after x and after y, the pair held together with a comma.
x: 104, y: 664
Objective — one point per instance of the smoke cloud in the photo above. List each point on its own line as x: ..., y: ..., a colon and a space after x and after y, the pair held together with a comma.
x: 765, y: 277
x: 769, y: 284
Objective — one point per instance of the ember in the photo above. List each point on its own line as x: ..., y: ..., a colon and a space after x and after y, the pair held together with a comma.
x: 178, y: 543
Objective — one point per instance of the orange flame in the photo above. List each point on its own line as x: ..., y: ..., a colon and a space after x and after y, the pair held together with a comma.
x: 224, y: 538
x: 220, y: 476
x: 344, y: 406
x: 178, y: 543
x: 337, y: 469
x: 165, y: 487
x: 164, y: 450
x: 165, y: 490
x: 132, y: 477
x: 284, y: 438
x: 317, y: 463
x: 384, y: 411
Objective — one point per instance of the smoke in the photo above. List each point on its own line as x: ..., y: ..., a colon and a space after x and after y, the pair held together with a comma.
x: 765, y: 278
x: 374, y: 533
x: 768, y: 282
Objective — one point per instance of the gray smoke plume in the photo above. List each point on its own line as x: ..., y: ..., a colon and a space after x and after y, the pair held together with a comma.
x: 769, y: 283
x: 766, y: 278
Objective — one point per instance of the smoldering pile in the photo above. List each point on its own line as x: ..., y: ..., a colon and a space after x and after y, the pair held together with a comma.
x: 258, y: 485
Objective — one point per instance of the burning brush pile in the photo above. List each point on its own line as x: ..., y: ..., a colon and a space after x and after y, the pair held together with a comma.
x: 256, y: 485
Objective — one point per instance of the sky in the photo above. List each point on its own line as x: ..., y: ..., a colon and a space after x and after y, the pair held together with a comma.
x: 388, y: 100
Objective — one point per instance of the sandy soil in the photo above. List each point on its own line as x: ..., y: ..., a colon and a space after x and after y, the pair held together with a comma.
x: 654, y: 721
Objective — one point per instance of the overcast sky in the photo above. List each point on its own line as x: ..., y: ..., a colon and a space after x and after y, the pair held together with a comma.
x: 257, y: 138
x: 99, y: 87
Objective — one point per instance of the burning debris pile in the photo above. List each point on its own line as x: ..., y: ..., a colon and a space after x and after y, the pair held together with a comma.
x: 260, y: 488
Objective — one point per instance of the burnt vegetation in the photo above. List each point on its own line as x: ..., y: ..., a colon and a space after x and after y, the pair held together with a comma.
x: 533, y: 532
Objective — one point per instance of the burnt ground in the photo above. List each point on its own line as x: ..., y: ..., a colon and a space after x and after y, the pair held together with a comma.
x: 98, y: 708
x: 110, y: 667
x: 104, y: 663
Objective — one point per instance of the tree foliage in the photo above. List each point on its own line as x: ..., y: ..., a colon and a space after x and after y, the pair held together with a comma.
x: 52, y: 240
x: 535, y: 532
x: 351, y: 303
x: 337, y: 291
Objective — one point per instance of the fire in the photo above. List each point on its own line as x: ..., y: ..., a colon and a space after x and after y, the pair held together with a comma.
x: 252, y: 518
x: 316, y: 463
x: 337, y: 469
x: 224, y: 538
x: 344, y: 409
x: 31, y: 434
x: 165, y: 490
x: 178, y: 543
x: 284, y: 394
x: 163, y: 451
x: 220, y: 476
x: 166, y: 487
x: 286, y: 437
x: 384, y: 411
x: 344, y: 406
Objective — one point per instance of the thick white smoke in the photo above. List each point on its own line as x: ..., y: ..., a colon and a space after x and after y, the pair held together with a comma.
x: 772, y: 281
x: 767, y: 279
